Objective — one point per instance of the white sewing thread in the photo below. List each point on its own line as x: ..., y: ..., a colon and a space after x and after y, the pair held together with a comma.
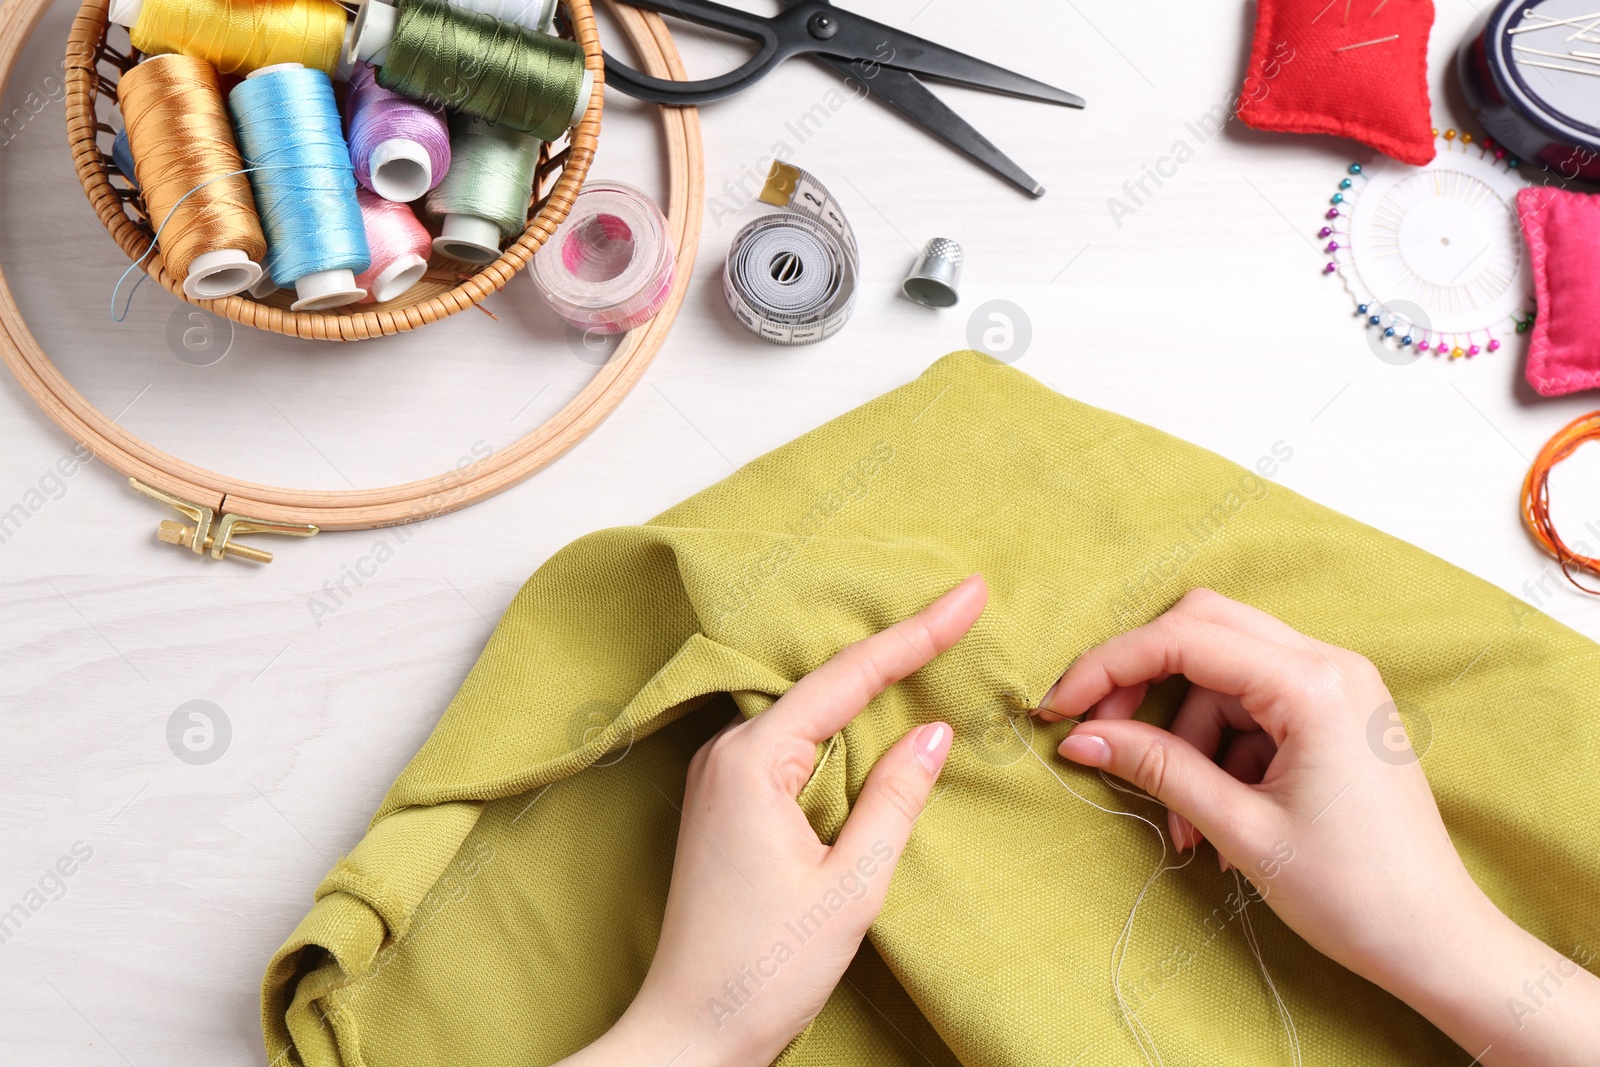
x: 1284, y: 1017
x: 1119, y: 950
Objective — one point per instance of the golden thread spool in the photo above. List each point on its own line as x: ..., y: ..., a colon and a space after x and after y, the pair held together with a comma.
x: 188, y: 168
x: 237, y: 36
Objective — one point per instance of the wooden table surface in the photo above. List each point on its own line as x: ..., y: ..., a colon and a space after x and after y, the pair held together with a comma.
x: 1204, y: 312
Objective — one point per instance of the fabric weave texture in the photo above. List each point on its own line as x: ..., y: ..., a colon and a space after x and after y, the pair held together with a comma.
x: 1352, y: 70
x: 506, y: 900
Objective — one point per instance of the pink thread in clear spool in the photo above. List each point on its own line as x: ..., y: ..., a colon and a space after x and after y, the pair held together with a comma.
x: 608, y: 267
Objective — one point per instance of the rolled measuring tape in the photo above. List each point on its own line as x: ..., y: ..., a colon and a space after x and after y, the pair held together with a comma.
x: 608, y: 266
x: 791, y: 275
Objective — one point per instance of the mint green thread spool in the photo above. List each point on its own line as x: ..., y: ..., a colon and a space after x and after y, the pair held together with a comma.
x: 474, y: 63
x: 483, y: 199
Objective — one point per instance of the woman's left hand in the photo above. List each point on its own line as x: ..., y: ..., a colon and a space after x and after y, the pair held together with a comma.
x: 762, y: 917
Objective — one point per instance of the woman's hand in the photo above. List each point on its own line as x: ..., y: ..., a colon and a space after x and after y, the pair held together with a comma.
x: 762, y: 917
x: 1320, y: 803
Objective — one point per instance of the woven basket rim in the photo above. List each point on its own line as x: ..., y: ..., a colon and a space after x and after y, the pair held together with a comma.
x: 86, y: 49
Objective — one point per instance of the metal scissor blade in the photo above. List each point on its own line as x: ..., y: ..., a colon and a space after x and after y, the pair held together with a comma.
x: 861, y: 38
x: 902, y: 92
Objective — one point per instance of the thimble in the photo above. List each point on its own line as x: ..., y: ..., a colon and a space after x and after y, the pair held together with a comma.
x: 935, y: 277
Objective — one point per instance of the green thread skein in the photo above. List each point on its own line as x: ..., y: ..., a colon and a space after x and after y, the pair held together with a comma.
x: 472, y: 62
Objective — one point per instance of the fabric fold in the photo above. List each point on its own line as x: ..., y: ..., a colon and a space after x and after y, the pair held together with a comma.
x: 507, y: 898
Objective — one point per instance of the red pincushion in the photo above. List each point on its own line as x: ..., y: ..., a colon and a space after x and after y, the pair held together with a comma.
x: 1376, y: 94
x: 1562, y: 232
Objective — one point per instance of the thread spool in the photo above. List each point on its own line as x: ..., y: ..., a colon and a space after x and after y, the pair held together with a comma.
x: 290, y: 134
x: 484, y: 198
x: 530, y: 14
x: 122, y: 158
x: 399, y: 148
x: 190, y: 172
x: 474, y: 63
x: 237, y: 36
x: 400, y: 245
x: 608, y: 267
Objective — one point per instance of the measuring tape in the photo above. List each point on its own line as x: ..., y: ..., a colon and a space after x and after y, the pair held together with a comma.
x: 791, y: 275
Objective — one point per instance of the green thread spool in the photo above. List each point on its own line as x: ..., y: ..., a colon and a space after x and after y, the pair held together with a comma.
x: 475, y: 63
x: 484, y: 196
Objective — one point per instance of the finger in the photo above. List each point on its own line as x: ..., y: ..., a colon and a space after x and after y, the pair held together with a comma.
x: 895, y: 793
x: 818, y: 705
x: 1248, y: 756
x: 1211, y: 606
x: 1120, y: 703
x: 1174, y: 772
x: 1203, y: 719
x: 1258, y: 672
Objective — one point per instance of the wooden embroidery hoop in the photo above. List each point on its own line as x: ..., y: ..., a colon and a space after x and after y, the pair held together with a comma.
x: 220, y: 507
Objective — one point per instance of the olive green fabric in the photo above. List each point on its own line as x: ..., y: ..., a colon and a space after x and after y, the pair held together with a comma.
x: 505, y: 903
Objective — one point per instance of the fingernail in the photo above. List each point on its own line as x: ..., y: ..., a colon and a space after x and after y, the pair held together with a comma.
x: 931, y: 745
x: 1049, y: 694
x: 1087, y: 749
x: 1222, y: 863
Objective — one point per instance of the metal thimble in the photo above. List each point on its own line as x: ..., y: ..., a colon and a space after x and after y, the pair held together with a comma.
x: 936, y: 276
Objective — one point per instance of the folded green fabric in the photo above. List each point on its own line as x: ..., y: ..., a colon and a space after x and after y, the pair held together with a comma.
x: 505, y: 902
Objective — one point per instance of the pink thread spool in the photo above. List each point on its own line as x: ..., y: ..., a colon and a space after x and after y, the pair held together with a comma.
x: 608, y: 268
x: 400, y: 149
x: 400, y: 245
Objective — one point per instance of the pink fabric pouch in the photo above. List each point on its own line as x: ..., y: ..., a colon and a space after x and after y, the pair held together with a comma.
x: 1562, y: 232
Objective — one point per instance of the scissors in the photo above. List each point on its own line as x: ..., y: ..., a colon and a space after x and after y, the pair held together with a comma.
x: 883, y: 60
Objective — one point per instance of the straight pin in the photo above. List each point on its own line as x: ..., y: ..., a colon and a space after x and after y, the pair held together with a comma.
x: 1550, y: 23
x: 1586, y: 57
x: 1363, y: 44
x: 1593, y: 71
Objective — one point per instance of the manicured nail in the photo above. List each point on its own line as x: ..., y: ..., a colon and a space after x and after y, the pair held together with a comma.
x: 1049, y: 694
x: 931, y: 745
x: 1087, y: 749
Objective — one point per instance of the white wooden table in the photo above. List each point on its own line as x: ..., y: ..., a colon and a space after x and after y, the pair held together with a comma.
x: 1205, y: 313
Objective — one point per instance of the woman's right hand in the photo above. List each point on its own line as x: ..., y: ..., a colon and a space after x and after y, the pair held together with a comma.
x: 1288, y: 754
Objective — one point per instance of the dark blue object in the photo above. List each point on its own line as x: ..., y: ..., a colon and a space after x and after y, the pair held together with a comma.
x: 1525, y: 100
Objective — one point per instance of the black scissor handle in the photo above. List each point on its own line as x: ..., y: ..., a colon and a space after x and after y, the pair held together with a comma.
x: 778, y: 38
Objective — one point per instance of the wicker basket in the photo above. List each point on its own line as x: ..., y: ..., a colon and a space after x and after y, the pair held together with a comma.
x: 93, y: 64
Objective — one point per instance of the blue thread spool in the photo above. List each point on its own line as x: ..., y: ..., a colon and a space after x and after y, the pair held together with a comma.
x: 290, y: 134
x: 122, y: 156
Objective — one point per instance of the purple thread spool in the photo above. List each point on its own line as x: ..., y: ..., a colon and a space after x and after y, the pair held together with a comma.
x: 400, y: 148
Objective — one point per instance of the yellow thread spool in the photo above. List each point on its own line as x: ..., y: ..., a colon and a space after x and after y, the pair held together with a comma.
x: 237, y: 36
x: 188, y: 168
